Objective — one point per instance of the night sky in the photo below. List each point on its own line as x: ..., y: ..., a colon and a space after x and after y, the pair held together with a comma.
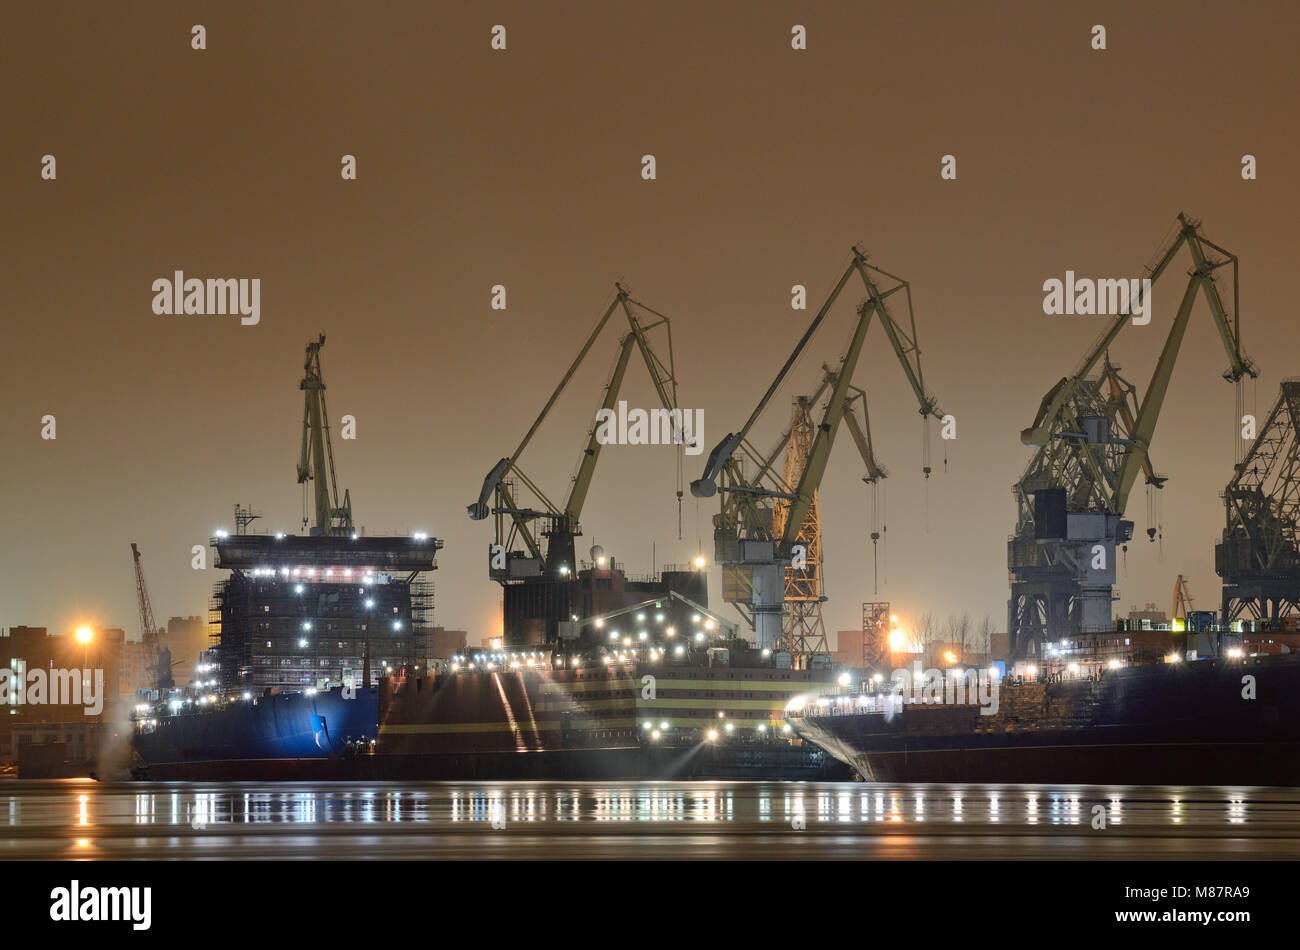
x: 522, y: 168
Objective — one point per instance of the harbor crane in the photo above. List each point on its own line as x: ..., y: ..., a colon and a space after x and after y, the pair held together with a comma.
x: 1092, y: 437
x: 160, y: 669
x: 1259, y: 554
x: 331, y: 517
x: 762, y: 514
x: 560, y: 524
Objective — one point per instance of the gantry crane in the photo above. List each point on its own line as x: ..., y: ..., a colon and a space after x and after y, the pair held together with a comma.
x: 753, y: 547
x: 560, y: 524
x: 1259, y: 555
x: 331, y: 517
x: 1093, y: 438
x: 160, y: 669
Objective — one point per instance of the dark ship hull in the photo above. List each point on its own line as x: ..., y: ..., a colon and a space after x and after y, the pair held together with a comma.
x: 1210, y: 722
x: 526, y: 724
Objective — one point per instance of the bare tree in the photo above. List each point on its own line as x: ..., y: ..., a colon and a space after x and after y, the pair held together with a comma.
x: 959, y: 632
x: 984, y: 639
x: 926, y: 626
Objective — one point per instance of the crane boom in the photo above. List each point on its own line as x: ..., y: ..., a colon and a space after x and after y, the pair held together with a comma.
x: 151, y: 635
x: 148, y: 628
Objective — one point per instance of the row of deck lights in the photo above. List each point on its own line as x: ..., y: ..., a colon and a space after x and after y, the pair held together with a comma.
x: 280, y: 535
x: 710, y: 735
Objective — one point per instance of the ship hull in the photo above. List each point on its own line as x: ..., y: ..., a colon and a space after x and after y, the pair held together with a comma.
x: 289, y: 735
x: 525, y: 725
x: 1212, y: 722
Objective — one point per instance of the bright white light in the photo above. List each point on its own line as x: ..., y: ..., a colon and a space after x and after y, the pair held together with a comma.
x: 370, y: 603
x: 699, y: 560
x: 845, y: 679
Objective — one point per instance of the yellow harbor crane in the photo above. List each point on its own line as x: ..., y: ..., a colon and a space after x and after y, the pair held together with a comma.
x: 754, y: 544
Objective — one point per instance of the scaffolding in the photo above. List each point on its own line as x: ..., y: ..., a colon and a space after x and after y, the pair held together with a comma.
x: 301, y: 613
x: 804, y: 630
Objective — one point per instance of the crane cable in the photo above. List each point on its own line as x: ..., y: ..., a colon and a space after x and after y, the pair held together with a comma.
x: 925, y: 468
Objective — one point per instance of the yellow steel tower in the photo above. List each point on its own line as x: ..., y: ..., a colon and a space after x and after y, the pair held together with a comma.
x: 804, y: 632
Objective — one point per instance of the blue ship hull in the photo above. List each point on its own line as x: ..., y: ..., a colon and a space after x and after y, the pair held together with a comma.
x: 285, y: 734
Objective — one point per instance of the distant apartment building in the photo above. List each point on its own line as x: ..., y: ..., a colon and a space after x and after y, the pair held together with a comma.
x: 24, y: 649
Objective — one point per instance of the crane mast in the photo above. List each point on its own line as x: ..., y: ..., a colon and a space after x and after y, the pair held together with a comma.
x: 1092, y: 437
x: 804, y: 626
x: 316, y: 460
x: 753, y: 543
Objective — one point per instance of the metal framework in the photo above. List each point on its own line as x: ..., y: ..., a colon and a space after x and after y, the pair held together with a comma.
x: 876, y: 625
x: 1092, y: 436
x: 753, y: 550
x: 804, y: 628
x: 1258, y: 558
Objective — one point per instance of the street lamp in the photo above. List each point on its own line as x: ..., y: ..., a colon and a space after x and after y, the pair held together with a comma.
x: 84, y: 635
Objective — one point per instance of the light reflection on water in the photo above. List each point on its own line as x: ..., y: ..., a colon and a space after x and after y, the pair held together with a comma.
x: 72, y: 819
x: 714, y: 803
